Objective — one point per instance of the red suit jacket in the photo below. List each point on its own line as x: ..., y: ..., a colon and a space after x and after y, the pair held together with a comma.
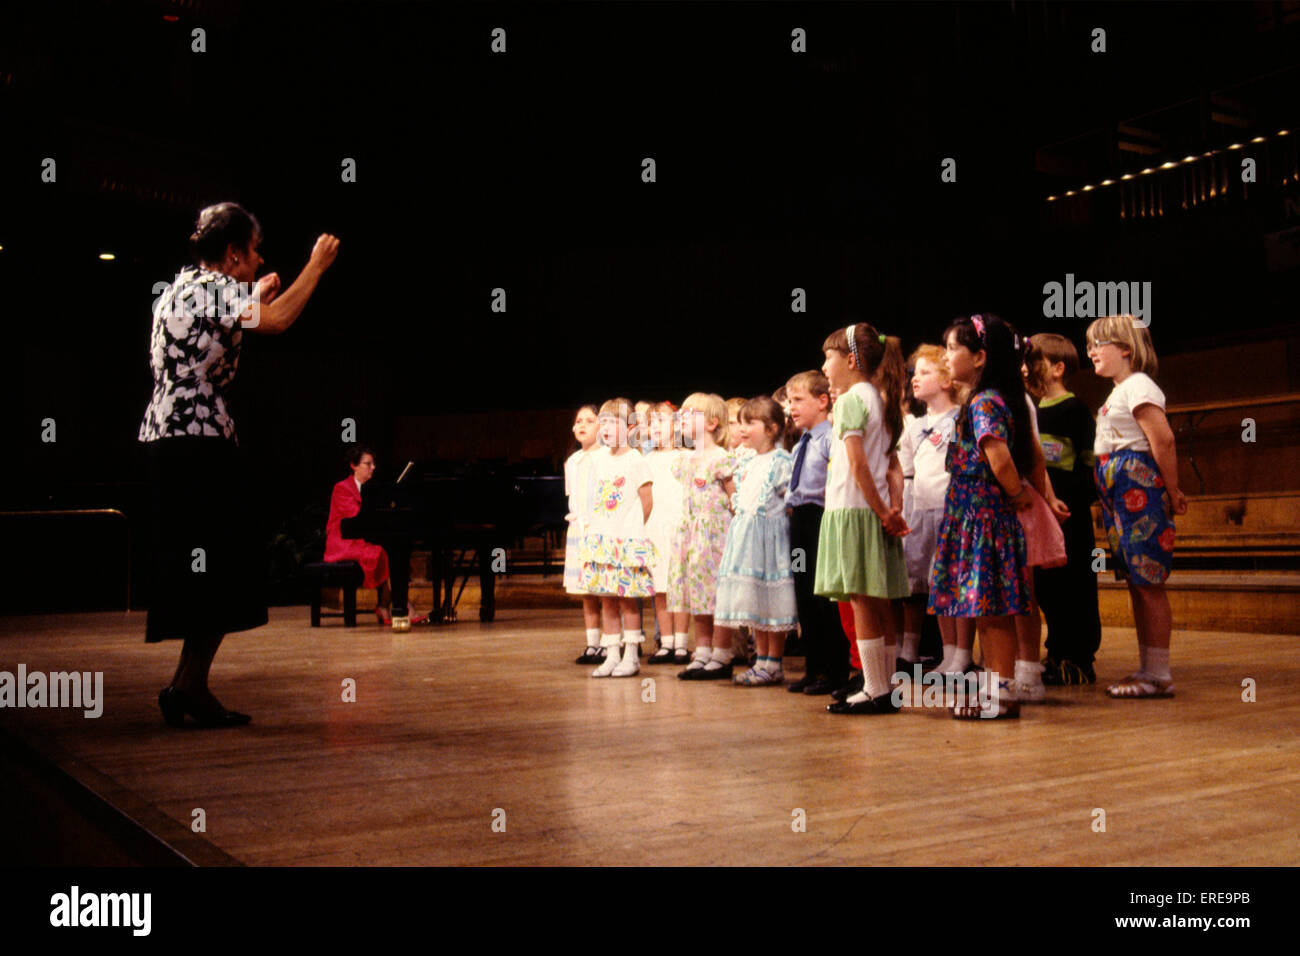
x: 345, y: 502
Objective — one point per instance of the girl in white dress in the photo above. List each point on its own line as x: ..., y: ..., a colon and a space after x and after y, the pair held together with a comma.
x: 577, y: 487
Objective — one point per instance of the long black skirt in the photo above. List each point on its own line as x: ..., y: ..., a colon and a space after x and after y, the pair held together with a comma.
x: 209, y: 570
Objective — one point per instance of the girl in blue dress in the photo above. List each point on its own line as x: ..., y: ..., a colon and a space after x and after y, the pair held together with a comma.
x: 755, y: 582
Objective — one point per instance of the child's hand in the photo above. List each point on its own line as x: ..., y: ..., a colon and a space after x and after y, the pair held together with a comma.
x: 1023, y: 501
x: 1179, y: 501
x: 1060, y: 509
x: 894, y: 524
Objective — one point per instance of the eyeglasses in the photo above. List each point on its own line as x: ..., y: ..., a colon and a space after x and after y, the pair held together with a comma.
x: 1097, y: 346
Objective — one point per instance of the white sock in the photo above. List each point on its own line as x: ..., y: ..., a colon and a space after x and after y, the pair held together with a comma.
x: 961, y: 659
x: 949, y: 654
x: 701, y: 657
x: 911, y: 647
x: 610, y: 642
x: 678, y: 641
x: 773, y: 664
x: 593, y: 638
x: 1157, y: 663
x: 1029, y: 673
x: 633, y: 637
x: 876, y: 672
x: 720, y: 658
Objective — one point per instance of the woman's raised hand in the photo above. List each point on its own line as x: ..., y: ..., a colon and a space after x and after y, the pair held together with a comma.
x: 268, y: 287
x: 322, y: 256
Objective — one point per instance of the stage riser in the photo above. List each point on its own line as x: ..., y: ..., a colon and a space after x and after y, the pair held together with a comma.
x: 1245, y: 610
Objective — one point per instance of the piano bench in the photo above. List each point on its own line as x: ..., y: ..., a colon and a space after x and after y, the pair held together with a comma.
x: 334, y: 574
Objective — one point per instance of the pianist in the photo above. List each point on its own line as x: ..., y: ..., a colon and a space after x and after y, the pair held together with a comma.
x: 345, y: 502
x: 208, y: 568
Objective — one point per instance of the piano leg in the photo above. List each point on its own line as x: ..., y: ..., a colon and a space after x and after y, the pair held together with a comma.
x: 487, y: 584
x: 399, y: 575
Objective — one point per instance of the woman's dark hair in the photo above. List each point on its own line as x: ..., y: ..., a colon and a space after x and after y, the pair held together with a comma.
x: 1003, y: 354
x: 225, y: 224
x: 357, y: 453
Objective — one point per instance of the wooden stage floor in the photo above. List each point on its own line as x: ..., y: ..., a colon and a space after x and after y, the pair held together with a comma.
x: 452, y: 724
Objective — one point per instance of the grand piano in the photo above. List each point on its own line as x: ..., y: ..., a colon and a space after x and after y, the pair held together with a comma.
x: 461, y: 516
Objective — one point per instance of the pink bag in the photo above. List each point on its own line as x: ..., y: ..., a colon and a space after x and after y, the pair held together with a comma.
x: 1044, y: 539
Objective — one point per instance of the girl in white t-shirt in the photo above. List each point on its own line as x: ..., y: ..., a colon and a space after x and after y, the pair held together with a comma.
x: 577, y: 487
x: 662, y: 459
x: 859, y: 553
x: 1137, y: 482
x: 617, y: 556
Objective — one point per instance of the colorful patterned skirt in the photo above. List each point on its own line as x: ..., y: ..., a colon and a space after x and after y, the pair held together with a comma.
x: 617, y: 567
x: 979, y: 560
x: 1138, y: 515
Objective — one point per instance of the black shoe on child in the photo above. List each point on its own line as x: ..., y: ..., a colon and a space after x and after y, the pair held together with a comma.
x: 872, y: 705
x: 821, y: 687
x: 848, y: 690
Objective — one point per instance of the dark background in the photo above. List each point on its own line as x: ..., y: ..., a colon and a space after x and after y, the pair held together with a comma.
x: 522, y: 170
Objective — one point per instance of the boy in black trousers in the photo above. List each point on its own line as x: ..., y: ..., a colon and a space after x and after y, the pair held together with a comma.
x: 825, y: 646
x: 1068, y: 594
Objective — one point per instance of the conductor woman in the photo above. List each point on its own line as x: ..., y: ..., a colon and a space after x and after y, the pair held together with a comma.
x: 208, y: 569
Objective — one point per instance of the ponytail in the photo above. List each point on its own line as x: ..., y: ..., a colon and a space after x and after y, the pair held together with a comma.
x: 889, y: 378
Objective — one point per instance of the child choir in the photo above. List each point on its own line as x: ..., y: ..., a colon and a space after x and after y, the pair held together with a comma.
x: 829, y: 510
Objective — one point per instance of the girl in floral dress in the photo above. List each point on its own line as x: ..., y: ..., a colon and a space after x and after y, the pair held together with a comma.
x: 617, y: 556
x: 979, y: 563
x: 707, y: 486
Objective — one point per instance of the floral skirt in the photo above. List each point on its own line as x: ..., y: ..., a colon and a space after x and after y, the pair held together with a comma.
x: 979, y: 560
x: 1138, y: 515
x: 617, y: 567
x: 693, y: 565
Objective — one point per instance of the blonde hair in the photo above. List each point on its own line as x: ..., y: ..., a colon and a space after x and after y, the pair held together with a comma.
x: 1127, y: 333
x: 713, y: 407
x: 937, y: 356
x: 620, y: 408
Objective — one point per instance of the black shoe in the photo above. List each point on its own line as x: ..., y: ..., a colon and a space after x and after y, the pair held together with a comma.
x: 1067, y: 673
x: 589, y: 656
x: 821, y: 687
x: 907, y: 668
x: 797, y: 687
x: 872, y: 705
x: 664, y: 655
x: 848, y: 690
x: 172, y: 710
x: 681, y: 656
x: 716, y: 673
x: 175, y: 704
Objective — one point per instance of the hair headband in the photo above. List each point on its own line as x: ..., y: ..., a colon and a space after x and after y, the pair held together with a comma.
x: 853, y: 344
